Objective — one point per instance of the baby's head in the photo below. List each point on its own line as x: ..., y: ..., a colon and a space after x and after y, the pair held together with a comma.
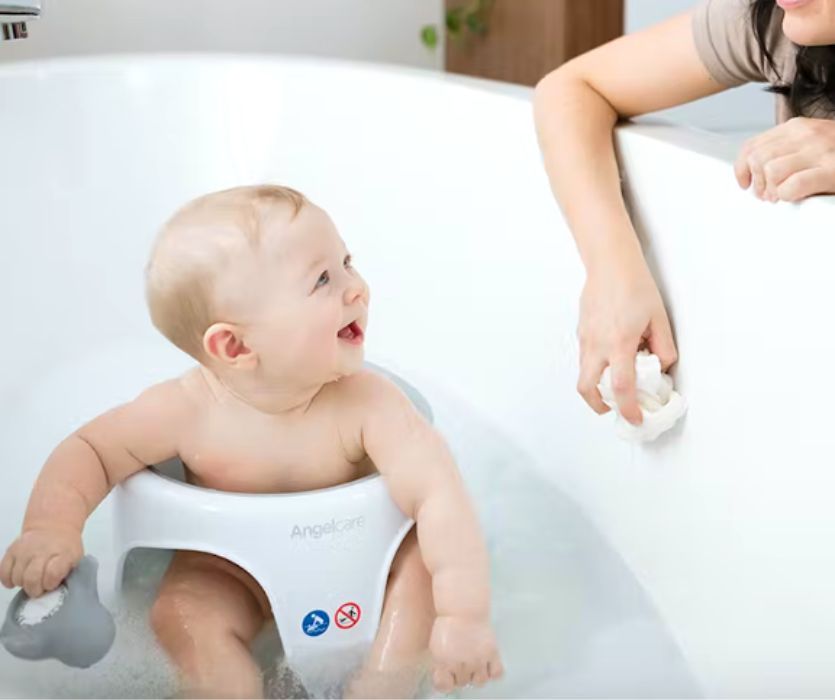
x: 257, y: 280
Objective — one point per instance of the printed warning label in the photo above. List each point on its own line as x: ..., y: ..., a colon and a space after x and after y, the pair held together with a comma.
x: 347, y: 615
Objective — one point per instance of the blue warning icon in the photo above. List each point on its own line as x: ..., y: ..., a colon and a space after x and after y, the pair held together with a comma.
x: 316, y: 622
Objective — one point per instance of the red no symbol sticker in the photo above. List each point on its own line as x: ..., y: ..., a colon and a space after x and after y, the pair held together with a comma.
x: 347, y: 615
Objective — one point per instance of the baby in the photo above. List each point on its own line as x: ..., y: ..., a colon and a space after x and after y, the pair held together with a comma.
x: 256, y: 284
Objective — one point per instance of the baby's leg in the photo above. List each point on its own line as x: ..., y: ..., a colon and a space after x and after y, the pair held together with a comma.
x: 397, y: 660
x: 206, y: 614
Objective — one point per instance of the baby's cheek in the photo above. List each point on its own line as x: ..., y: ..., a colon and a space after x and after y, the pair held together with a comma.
x: 322, y: 338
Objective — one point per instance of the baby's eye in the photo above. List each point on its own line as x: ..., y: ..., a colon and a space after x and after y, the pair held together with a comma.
x: 324, y: 278
x: 348, y: 261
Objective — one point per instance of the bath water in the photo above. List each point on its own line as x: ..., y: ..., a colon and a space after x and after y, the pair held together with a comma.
x: 572, y: 620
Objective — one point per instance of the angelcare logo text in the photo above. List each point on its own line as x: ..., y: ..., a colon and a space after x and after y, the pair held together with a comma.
x: 333, y: 528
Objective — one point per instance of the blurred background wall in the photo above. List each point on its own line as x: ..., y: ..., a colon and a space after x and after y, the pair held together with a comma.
x: 369, y: 30
x: 372, y: 30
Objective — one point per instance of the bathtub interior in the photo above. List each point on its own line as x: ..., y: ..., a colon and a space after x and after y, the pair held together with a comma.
x: 437, y: 187
x: 571, y: 618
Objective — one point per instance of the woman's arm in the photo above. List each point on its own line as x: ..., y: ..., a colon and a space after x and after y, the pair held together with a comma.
x: 576, y: 108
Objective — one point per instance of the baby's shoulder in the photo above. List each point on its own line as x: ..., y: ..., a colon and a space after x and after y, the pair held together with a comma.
x: 367, y: 389
x: 191, y: 386
x: 368, y: 396
x: 179, y: 396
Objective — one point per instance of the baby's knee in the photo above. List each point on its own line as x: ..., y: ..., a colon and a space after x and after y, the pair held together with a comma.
x: 172, y: 613
x: 202, y: 607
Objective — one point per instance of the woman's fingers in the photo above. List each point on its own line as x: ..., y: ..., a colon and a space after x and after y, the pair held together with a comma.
x: 590, y: 370
x: 780, y: 169
x: 756, y: 153
x: 741, y: 169
x: 623, y: 385
x: 742, y: 173
x: 661, y: 342
x: 764, y: 161
x: 748, y: 160
x: 789, y: 162
x: 618, y: 311
x: 757, y: 178
x: 805, y: 183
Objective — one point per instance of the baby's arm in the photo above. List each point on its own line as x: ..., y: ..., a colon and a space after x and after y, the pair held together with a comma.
x: 424, y: 482
x: 79, y: 474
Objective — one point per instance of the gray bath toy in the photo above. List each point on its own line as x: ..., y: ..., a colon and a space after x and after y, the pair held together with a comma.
x: 68, y: 624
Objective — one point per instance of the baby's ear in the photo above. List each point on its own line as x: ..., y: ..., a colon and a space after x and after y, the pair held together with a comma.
x: 223, y: 343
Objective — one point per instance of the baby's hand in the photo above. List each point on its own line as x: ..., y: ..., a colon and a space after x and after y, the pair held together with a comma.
x: 464, y: 651
x: 40, y: 559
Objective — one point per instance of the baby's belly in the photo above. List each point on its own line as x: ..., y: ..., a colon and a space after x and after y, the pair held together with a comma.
x: 225, y: 475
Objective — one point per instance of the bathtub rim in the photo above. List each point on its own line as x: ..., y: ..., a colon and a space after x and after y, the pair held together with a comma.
x: 714, y: 145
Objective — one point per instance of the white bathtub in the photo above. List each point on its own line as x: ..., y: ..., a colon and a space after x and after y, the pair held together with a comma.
x: 436, y: 185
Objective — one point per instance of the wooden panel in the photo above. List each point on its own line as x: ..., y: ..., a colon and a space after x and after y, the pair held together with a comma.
x: 590, y: 23
x: 528, y: 38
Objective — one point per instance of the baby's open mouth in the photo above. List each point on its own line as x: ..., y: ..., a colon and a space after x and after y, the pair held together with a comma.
x: 351, y: 333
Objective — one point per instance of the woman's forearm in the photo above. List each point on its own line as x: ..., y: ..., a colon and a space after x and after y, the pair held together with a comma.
x: 575, y: 128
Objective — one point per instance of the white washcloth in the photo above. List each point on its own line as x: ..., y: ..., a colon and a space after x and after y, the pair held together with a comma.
x: 660, y: 405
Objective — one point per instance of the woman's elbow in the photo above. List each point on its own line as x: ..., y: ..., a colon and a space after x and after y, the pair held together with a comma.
x: 560, y: 89
x: 559, y: 76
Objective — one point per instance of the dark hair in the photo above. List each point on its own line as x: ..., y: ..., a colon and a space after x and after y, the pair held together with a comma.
x: 813, y: 85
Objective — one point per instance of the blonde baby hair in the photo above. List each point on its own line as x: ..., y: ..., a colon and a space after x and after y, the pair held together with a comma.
x: 192, y: 249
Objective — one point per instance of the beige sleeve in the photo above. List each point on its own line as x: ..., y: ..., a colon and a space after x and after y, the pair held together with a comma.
x: 726, y: 43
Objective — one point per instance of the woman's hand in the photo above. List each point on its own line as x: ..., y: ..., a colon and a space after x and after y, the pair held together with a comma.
x: 621, y: 310
x: 790, y: 162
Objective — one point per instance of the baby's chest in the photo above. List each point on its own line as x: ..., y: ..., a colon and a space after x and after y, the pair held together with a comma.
x: 263, y: 458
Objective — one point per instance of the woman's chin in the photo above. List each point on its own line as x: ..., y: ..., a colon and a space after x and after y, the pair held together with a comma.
x: 808, y: 30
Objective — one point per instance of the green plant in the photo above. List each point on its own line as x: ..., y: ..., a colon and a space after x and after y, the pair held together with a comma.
x: 470, y: 17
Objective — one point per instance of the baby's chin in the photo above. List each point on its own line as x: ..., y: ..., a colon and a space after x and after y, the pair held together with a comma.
x: 353, y: 364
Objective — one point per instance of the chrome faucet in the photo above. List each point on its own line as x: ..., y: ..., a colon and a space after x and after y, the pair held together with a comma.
x: 14, y: 14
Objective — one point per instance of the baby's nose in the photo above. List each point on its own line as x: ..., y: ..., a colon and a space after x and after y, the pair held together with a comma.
x: 356, y: 290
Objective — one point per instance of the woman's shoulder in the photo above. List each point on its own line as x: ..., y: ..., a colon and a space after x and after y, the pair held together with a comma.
x: 723, y: 31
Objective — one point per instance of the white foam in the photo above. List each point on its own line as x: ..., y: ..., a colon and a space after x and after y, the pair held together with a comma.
x: 36, y: 610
